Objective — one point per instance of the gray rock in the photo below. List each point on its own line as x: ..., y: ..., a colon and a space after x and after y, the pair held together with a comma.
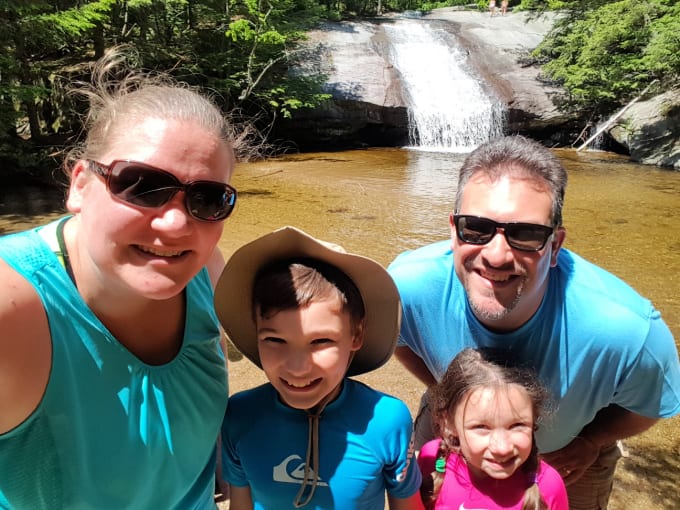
x: 497, y: 46
x: 650, y: 129
x: 368, y: 106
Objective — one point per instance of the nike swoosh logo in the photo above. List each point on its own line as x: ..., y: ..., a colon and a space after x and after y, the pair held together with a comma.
x: 462, y: 507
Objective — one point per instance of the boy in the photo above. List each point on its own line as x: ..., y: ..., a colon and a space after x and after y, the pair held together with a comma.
x: 310, y: 315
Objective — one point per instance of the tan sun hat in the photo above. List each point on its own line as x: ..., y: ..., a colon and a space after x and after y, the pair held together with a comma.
x: 233, y: 293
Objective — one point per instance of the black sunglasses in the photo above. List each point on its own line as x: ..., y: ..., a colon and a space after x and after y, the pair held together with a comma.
x: 146, y: 186
x: 521, y: 236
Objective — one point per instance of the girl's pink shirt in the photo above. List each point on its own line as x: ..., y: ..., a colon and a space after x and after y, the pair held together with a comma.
x: 461, y: 492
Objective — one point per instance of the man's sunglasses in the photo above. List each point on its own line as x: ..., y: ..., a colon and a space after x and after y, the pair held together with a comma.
x: 146, y: 186
x: 521, y: 236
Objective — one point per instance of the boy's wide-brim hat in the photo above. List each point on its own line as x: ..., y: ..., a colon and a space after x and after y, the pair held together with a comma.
x: 233, y: 293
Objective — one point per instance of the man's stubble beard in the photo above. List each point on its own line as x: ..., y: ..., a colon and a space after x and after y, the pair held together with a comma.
x: 485, y: 314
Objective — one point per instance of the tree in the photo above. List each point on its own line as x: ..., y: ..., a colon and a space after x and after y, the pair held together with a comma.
x: 241, y: 50
x: 605, y: 53
x: 38, y: 40
x: 267, y: 33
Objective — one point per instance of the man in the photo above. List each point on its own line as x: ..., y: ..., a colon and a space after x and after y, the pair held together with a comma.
x: 505, y: 281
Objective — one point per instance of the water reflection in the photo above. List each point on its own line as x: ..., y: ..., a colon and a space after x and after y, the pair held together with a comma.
x: 433, y: 174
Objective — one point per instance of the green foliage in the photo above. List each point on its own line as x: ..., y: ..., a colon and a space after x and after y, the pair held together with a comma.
x: 605, y: 53
x: 240, y: 49
x: 76, y: 21
x: 662, y: 53
x: 295, y: 93
x: 37, y: 37
x: 265, y: 33
x: 428, y: 6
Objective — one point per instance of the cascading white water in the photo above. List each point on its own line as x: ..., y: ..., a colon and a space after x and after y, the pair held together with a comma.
x: 448, y: 108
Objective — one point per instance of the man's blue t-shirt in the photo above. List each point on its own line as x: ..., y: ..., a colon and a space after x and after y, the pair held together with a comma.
x: 365, y: 449
x: 594, y: 341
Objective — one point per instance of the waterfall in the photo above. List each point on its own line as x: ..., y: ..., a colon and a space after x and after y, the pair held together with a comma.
x: 449, y: 110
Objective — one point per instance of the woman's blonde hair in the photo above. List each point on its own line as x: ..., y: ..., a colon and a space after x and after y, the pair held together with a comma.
x: 119, y: 95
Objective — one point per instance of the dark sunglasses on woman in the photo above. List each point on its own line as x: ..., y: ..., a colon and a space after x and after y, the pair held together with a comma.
x: 143, y: 185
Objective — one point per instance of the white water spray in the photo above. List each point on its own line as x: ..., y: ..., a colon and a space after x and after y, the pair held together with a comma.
x: 448, y: 108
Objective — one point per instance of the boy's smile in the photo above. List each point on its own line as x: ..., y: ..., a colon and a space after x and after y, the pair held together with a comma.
x: 305, y: 351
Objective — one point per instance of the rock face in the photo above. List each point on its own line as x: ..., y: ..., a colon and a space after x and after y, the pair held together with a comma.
x: 497, y: 46
x: 650, y: 130
x: 368, y: 106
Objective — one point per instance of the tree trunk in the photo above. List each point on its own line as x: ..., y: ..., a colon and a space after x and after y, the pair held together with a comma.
x: 99, y: 43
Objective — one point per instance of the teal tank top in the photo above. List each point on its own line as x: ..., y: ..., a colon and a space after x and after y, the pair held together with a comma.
x: 112, y: 432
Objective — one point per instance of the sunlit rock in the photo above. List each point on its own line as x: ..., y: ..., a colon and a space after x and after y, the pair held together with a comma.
x: 650, y: 129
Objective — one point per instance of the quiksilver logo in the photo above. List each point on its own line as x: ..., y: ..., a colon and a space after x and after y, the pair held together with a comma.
x: 292, y: 470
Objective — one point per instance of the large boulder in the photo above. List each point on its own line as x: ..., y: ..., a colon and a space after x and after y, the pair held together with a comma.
x: 650, y: 129
x: 368, y: 106
x: 499, y: 47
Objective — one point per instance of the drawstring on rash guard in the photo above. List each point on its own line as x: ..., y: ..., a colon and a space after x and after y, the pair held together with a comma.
x: 311, y: 476
x: 310, y: 479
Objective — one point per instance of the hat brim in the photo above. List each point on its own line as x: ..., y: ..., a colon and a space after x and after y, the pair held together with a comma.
x: 233, y: 294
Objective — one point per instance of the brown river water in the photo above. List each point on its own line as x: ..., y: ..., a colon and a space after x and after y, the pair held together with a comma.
x: 379, y: 202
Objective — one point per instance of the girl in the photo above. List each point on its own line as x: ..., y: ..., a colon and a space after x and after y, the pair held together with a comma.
x: 485, y: 411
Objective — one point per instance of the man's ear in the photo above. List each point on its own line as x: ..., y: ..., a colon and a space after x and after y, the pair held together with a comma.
x: 556, y: 244
x: 454, y: 236
x: 79, y: 180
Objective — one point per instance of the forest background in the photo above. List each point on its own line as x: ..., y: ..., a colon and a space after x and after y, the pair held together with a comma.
x: 602, y: 52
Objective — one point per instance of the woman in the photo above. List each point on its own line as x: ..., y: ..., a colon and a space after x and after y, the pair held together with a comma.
x: 112, y: 382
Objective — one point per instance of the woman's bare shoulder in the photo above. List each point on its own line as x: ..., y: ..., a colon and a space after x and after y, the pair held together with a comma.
x: 25, y: 349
